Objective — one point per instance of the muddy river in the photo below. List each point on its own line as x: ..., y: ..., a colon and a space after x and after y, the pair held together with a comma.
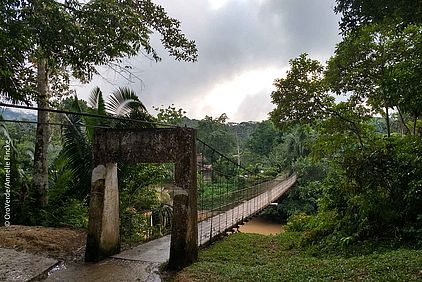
x: 261, y: 225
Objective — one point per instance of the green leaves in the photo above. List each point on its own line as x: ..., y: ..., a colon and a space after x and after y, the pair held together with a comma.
x: 379, y: 64
x: 170, y: 115
x: 300, y: 97
x: 263, y: 138
x: 77, y: 37
x: 216, y: 133
x: 96, y: 101
x: 356, y: 13
x: 155, y: 17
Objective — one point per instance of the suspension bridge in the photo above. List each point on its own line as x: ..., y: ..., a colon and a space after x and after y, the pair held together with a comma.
x: 257, y: 198
x: 249, y: 202
x: 213, y: 194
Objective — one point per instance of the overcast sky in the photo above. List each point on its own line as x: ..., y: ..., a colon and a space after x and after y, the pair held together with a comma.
x: 243, y: 45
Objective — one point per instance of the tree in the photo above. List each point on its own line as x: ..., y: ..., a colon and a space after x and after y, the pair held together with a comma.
x: 379, y: 64
x: 356, y: 13
x: 405, y: 79
x: 14, y: 43
x: 263, y: 138
x: 59, y: 39
x: 170, y: 115
x: 300, y: 98
x: 216, y: 133
x: 303, y: 98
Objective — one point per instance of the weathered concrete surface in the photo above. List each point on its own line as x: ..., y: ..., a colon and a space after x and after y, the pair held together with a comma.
x: 103, y: 239
x: 157, y: 251
x: 110, y: 235
x: 115, y: 270
x: 132, y: 146
x: 138, y: 264
x: 21, y: 266
x: 184, y: 233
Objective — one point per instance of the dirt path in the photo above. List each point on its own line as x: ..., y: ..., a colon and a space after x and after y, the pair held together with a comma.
x: 59, y: 243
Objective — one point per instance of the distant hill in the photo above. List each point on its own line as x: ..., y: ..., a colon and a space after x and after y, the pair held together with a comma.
x: 17, y: 115
x: 242, y: 129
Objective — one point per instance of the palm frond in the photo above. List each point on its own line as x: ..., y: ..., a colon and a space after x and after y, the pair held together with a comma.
x: 77, y: 152
x: 125, y: 103
x: 96, y: 101
x: 5, y: 133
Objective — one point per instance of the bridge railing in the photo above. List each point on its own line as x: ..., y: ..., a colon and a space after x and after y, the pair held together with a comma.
x: 223, y: 183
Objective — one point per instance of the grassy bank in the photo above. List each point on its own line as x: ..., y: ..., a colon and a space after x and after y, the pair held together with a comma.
x: 253, y: 257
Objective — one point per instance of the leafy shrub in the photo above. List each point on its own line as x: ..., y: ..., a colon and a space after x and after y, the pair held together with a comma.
x: 162, y: 218
x: 74, y: 213
x: 298, y: 222
x: 376, y: 190
x: 136, y: 226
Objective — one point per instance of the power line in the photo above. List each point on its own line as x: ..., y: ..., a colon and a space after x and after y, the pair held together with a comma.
x: 84, y: 114
x: 224, y: 156
x: 52, y: 123
x: 99, y: 126
x: 109, y: 127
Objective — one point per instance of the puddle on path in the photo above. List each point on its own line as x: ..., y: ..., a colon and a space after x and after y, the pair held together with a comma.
x: 115, y: 270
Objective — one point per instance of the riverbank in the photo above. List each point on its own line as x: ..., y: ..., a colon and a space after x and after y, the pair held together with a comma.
x: 254, y: 257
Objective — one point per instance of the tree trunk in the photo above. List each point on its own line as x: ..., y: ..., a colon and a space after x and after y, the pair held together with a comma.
x: 42, y: 136
x: 415, y: 123
x: 387, y: 120
x: 403, y: 122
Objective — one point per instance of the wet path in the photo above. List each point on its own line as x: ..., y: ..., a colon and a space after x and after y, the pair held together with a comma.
x: 22, y: 266
x: 137, y: 264
x: 116, y: 270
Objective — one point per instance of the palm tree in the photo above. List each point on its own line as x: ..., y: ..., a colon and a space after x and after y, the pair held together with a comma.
x: 78, y: 136
x: 295, y: 142
x: 292, y: 148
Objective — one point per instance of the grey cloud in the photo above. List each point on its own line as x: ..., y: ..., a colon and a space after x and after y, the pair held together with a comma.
x: 238, y: 37
x: 254, y: 107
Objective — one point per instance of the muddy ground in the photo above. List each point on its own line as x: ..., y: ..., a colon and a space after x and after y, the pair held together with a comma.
x: 66, y: 244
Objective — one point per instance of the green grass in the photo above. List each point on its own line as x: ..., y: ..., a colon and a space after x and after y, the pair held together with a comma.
x: 253, y: 257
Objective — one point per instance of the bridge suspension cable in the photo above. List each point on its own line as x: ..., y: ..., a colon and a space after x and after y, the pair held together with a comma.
x: 228, y: 193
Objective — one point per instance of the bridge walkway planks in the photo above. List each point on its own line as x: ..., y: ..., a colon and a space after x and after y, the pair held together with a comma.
x: 215, y: 225
x: 158, y: 251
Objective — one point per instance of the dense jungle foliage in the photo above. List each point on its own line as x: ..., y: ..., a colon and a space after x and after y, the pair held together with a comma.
x: 145, y: 197
x: 351, y: 128
x: 361, y: 177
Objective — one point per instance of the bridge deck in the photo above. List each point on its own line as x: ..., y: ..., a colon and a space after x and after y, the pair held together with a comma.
x: 209, y: 228
x: 158, y: 251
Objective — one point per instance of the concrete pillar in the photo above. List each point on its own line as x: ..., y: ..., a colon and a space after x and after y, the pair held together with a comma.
x: 130, y: 146
x: 184, y: 234
x: 103, y: 238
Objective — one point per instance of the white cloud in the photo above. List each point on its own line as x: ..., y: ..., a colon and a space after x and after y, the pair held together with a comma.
x: 227, y: 95
x: 217, y: 4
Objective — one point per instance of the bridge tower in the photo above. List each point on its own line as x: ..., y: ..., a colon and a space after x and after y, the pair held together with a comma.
x: 132, y: 146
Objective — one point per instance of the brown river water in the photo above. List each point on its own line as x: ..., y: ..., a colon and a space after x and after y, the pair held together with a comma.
x: 261, y: 225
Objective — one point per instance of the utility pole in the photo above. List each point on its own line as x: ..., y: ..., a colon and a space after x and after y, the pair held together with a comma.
x: 238, y: 149
x: 237, y: 142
